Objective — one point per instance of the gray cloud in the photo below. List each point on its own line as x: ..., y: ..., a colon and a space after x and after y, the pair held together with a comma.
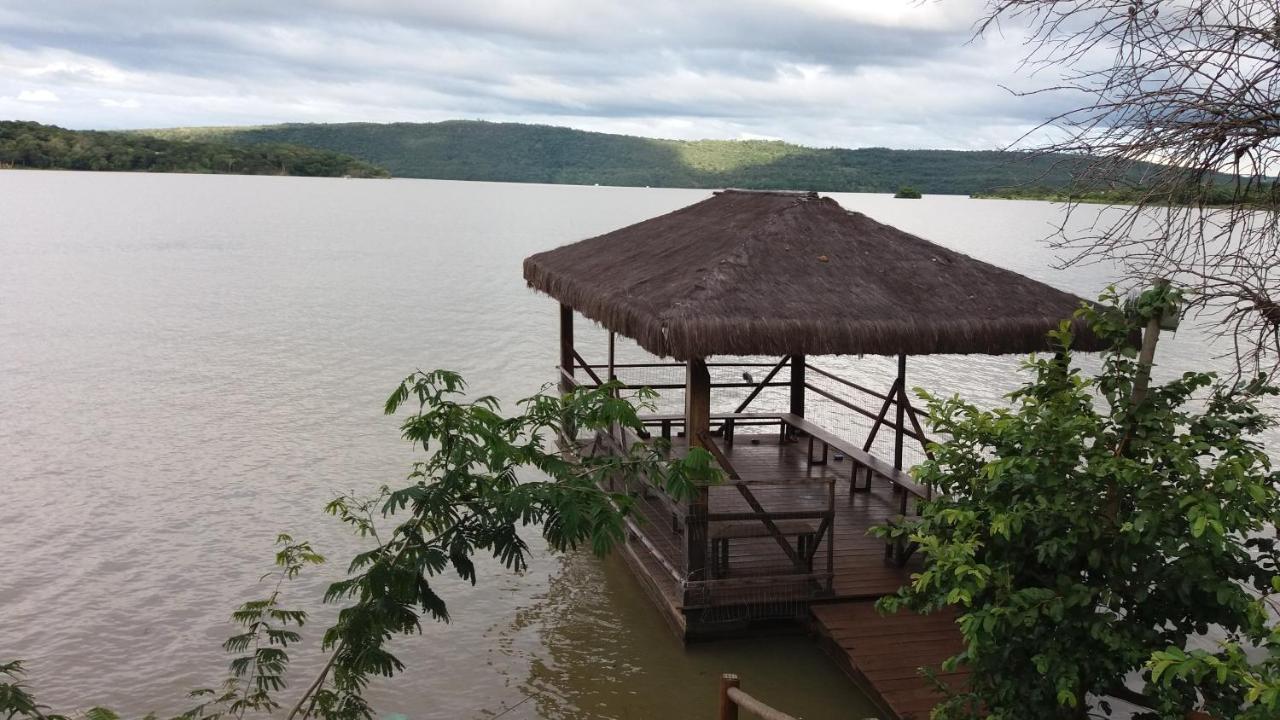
x: 899, y: 73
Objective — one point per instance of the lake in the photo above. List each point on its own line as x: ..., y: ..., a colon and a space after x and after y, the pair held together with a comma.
x: 192, y: 364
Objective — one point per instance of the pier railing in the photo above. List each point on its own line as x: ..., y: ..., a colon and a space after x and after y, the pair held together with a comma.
x: 758, y: 532
x: 732, y: 697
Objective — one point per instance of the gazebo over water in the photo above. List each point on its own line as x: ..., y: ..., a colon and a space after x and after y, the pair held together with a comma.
x: 791, y: 274
x: 746, y: 273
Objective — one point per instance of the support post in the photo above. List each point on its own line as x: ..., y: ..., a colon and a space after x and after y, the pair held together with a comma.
x: 797, y: 385
x: 697, y: 425
x: 728, y: 708
x: 612, y: 339
x: 566, y: 348
x: 902, y: 410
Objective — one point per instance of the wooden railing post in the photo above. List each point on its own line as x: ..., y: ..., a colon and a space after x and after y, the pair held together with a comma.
x: 902, y: 408
x: 797, y: 385
x: 728, y: 708
x: 566, y: 347
x: 697, y: 425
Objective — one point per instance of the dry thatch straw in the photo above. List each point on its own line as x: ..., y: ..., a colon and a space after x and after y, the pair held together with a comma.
x: 772, y: 273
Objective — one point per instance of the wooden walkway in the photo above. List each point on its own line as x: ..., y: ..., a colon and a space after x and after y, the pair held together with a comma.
x: 882, y: 654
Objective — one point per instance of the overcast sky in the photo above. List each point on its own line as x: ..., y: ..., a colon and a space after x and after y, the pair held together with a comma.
x: 851, y: 73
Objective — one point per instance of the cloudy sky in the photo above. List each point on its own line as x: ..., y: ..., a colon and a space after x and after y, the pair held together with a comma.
x: 852, y: 73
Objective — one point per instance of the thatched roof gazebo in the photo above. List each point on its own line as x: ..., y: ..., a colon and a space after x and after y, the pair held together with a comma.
x: 793, y: 274
x: 790, y: 274
x: 771, y: 273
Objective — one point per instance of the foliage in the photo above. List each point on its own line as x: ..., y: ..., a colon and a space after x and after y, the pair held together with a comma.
x: 908, y: 193
x: 1217, y: 196
x: 484, y: 478
x: 1230, y: 671
x: 32, y: 145
x: 1078, y: 532
x: 470, y: 150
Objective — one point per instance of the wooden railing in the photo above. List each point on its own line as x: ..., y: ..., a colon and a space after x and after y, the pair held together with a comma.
x: 888, y: 400
x: 595, y: 371
x: 732, y: 697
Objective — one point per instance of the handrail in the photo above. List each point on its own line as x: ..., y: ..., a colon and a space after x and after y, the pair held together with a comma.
x: 775, y: 515
x: 733, y: 697
x: 680, y: 365
x: 865, y: 412
x: 844, y: 381
x: 681, y: 386
x: 657, y: 554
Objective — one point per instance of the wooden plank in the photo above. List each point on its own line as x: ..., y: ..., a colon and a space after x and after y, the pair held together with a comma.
x: 884, y: 653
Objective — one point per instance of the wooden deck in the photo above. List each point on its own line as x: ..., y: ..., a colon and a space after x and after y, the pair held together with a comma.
x: 882, y: 654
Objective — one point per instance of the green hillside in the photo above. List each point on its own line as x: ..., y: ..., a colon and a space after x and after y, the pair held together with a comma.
x: 32, y: 145
x: 473, y: 150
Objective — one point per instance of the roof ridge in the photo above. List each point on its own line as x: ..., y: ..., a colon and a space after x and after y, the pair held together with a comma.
x: 805, y: 194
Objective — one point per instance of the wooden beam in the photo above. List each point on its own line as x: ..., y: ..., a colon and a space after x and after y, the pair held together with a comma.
x: 587, y: 367
x: 566, y: 347
x: 797, y: 385
x: 762, y: 385
x: 613, y: 375
x: 709, y: 444
x: 697, y: 427
x: 880, y: 417
x: 902, y: 408
x: 769, y: 524
x: 697, y: 400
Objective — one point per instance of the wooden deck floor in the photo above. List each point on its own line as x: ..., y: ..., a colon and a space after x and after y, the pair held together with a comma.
x: 882, y: 654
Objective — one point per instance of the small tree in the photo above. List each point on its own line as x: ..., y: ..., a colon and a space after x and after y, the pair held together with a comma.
x: 485, y: 477
x: 1089, y: 526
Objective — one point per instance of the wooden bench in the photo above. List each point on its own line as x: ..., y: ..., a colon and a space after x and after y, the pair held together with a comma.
x: 805, y: 532
x: 860, y: 458
x: 904, y: 485
x: 727, y: 421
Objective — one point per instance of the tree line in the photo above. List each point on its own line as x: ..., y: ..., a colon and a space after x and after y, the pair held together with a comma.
x: 33, y: 145
x: 516, y: 152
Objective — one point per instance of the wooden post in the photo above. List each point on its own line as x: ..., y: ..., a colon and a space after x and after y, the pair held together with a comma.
x: 612, y: 339
x: 797, y: 385
x: 697, y: 425
x: 1146, y: 358
x: 902, y: 410
x: 728, y: 708
x: 566, y: 347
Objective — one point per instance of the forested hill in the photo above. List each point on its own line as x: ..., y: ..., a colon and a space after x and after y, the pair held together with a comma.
x: 32, y: 145
x: 473, y: 150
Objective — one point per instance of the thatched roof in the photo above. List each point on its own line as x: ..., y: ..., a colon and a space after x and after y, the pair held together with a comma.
x: 760, y: 273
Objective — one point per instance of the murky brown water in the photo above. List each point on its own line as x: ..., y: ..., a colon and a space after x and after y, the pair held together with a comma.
x: 191, y: 364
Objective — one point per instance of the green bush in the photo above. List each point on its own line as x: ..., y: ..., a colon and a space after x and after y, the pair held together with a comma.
x: 1087, y: 528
